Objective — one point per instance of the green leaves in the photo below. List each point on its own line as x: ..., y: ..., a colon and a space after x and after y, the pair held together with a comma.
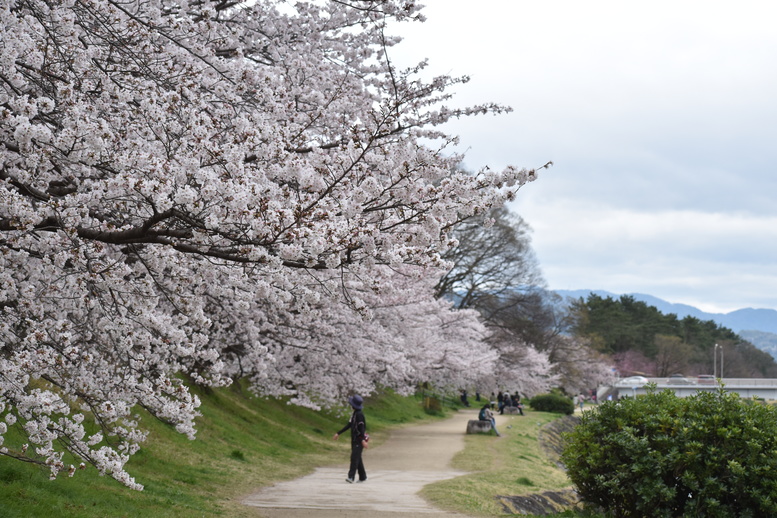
x: 710, y: 454
x: 555, y: 403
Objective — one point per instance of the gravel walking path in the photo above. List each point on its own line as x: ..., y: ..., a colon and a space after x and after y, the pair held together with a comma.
x: 411, y: 458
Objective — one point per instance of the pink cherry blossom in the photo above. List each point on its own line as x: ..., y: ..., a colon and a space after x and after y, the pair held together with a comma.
x: 214, y: 190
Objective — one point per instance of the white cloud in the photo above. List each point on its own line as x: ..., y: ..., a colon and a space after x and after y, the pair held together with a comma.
x: 660, y: 119
x: 715, y: 261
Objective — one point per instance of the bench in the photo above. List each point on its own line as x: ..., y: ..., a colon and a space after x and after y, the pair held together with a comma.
x: 478, y: 426
x: 511, y: 410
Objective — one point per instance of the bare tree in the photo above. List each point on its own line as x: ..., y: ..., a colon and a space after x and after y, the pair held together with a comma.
x: 493, y: 261
x: 672, y: 355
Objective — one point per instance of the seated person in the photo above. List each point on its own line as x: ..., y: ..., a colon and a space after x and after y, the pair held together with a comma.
x: 517, y: 403
x: 486, y: 415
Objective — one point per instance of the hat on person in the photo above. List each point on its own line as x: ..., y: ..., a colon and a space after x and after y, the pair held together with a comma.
x: 356, y: 401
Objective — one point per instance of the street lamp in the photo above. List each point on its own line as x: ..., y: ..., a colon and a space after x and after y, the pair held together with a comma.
x: 715, y: 361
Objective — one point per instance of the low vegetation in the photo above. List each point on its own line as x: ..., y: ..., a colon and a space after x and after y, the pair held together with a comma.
x: 511, y: 465
x: 243, y: 443
x: 710, y: 454
x: 554, y: 403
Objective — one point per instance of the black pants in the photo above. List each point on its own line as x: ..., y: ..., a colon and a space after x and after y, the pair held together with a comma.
x: 356, y: 462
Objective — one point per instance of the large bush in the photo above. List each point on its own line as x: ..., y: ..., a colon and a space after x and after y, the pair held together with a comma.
x: 711, y: 454
x: 553, y: 403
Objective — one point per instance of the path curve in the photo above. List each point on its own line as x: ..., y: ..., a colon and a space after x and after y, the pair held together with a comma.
x: 411, y: 458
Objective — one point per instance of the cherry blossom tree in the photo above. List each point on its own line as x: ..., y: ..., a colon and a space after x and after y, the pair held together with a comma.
x: 401, y: 335
x: 200, y: 190
x: 522, y: 368
x: 579, y: 366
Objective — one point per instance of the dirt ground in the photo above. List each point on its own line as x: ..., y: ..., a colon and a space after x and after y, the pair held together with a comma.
x: 411, y: 458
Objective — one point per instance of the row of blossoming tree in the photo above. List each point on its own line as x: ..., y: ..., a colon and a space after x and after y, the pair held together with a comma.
x: 209, y: 190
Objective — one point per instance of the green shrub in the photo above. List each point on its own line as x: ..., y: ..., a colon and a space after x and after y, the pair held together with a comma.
x: 237, y: 455
x: 555, y: 403
x: 658, y: 455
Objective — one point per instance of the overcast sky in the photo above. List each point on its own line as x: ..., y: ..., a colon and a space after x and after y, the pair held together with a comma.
x: 661, y: 120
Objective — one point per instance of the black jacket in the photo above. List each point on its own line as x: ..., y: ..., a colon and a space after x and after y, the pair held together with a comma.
x: 358, y: 427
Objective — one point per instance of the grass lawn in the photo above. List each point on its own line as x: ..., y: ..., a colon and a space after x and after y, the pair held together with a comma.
x: 509, y: 465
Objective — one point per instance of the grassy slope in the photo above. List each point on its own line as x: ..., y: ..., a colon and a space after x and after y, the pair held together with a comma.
x: 243, y: 443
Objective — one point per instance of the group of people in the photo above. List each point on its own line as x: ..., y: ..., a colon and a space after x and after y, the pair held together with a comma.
x: 504, y: 399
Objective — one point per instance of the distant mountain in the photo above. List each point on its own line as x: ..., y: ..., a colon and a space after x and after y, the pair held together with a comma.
x: 757, y: 326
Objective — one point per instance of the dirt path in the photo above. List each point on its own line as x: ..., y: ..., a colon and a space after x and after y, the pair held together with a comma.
x: 411, y: 458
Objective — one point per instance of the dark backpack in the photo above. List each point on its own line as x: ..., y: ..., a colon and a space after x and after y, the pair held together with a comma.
x: 482, y: 414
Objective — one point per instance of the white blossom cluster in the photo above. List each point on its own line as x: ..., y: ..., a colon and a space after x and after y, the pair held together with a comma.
x: 524, y: 369
x: 204, y: 190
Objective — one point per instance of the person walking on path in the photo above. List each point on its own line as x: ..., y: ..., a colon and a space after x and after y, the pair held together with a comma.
x: 359, y: 439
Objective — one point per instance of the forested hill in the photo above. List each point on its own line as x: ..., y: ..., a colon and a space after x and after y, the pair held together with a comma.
x: 764, y: 320
x: 767, y: 342
x: 642, y: 339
